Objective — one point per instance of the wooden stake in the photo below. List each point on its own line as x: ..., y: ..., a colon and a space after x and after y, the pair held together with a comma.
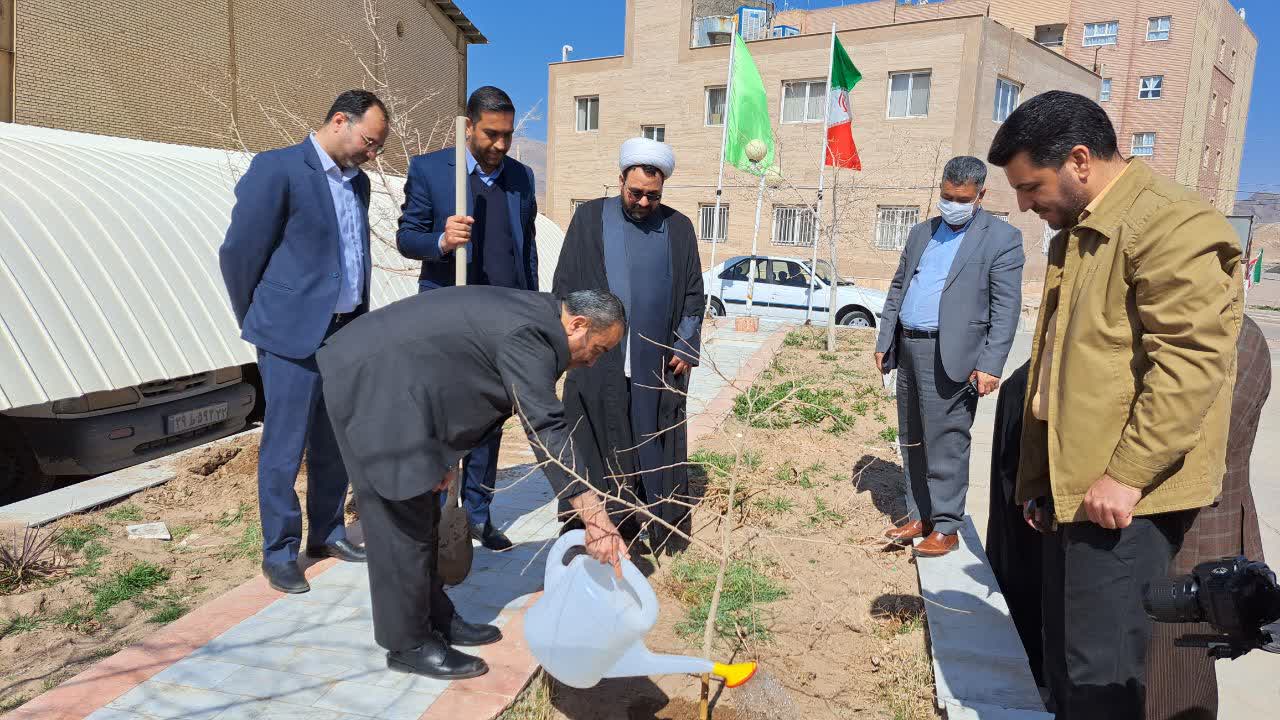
x: 460, y: 194
x: 703, y: 711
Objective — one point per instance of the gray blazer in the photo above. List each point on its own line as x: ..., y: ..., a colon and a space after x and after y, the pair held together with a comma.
x: 981, y: 300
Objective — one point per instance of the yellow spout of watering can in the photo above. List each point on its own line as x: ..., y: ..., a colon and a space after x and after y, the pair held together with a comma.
x: 736, y: 674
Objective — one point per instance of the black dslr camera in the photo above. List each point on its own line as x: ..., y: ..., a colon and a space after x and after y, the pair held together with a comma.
x: 1238, y: 598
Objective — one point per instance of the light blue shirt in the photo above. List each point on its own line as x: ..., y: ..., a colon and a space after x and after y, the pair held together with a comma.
x: 473, y: 166
x: 351, y: 229
x: 924, y: 294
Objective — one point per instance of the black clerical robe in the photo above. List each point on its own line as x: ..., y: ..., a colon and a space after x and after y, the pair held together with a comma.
x: 611, y: 413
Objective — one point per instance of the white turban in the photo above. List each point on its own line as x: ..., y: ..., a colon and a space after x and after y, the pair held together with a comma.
x: 643, y: 151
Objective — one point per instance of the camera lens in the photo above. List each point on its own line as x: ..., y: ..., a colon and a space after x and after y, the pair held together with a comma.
x: 1173, y: 600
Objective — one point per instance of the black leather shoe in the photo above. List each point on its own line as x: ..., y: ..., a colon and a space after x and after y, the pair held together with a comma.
x: 286, y: 577
x: 437, y: 660
x: 344, y: 550
x: 490, y: 537
x: 464, y: 634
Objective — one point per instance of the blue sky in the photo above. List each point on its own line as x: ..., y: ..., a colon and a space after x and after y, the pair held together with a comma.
x: 524, y: 36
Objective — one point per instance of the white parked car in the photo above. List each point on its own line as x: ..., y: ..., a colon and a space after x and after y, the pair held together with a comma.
x: 782, y: 290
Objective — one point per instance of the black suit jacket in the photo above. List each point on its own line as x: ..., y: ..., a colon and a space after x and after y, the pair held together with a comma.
x: 413, y: 387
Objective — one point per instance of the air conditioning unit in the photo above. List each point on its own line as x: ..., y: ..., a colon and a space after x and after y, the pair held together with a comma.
x: 779, y: 31
x: 753, y: 23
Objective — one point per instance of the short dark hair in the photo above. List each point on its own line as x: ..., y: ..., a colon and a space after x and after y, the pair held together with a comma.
x: 649, y: 170
x: 354, y: 104
x: 1048, y: 125
x: 488, y: 99
x: 601, y: 307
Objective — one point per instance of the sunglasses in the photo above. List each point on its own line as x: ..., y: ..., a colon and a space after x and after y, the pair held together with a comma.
x: 654, y: 197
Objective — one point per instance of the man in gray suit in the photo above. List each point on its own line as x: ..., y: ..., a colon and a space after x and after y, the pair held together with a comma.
x: 947, y: 325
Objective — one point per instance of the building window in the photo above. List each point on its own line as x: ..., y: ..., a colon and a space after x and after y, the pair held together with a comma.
x: 1144, y: 144
x: 1217, y: 164
x: 1213, y: 106
x: 654, y: 132
x: 574, y: 205
x: 1050, y: 35
x: 715, y: 106
x: 1204, y: 159
x: 909, y: 94
x: 1226, y: 105
x: 1000, y: 214
x: 1150, y: 86
x: 1158, y: 28
x: 1233, y: 61
x: 893, y: 224
x: 1103, y: 33
x: 707, y: 228
x: 1222, y: 49
x: 794, y: 225
x: 1105, y: 94
x: 588, y: 113
x: 1007, y: 92
x: 1046, y: 236
x: 804, y: 101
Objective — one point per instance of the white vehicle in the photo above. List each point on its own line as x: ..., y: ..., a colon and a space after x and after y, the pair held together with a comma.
x: 782, y: 290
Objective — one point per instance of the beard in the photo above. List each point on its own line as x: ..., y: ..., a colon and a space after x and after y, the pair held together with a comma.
x: 635, y: 212
x: 1070, y: 207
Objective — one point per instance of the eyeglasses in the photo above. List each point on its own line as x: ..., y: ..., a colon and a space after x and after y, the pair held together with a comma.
x: 368, y: 141
x: 654, y: 197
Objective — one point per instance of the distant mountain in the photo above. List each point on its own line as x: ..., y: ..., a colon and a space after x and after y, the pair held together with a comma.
x: 1263, y: 206
x: 534, y: 154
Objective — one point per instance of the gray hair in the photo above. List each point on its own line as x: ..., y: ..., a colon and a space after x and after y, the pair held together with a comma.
x: 601, y: 307
x: 965, y: 169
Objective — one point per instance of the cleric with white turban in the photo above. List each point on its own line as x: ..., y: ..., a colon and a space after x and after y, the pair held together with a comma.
x: 633, y: 398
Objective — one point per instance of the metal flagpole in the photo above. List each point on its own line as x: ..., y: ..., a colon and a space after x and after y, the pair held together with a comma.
x: 724, y: 134
x: 755, y: 235
x: 817, y: 211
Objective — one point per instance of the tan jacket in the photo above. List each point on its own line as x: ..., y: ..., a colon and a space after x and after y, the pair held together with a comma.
x: 1149, y: 301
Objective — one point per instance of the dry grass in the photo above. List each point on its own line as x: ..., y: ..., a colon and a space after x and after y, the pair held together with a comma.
x: 534, y: 703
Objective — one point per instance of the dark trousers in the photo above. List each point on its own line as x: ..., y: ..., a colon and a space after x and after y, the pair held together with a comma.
x: 935, y: 416
x: 296, y: 421
x: 402, y: 541
x: 1095, y: 629
x: 480, y: 475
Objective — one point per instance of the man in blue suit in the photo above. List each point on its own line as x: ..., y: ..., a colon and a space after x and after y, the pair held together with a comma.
x: 497, y: 234
x: 296, y: 265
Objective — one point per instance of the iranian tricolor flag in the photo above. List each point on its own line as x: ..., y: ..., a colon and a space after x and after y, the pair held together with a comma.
x: 841, y: 151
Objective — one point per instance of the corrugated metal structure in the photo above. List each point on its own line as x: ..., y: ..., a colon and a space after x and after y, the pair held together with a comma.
x: 109, y: 262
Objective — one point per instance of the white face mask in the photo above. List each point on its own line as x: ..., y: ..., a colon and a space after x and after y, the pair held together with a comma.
x: 956, y: 213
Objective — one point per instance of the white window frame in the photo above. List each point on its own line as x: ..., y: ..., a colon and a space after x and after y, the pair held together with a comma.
x: 1143, y: 150
x: 582, y: 120
x: 574, y: 204
x: 790, y: 223
x: 1152, y: 86
x: 809, y: 94
x: 1100, y: 39
x: 706, y: 105
x: 706, y: 222
x: 1047, y: 234
x: 1001, y: 112
x: 653, y: 131
x: 893, y: 225
x: 1154, y: 29
x: 911, y: 86
x: 1104, y: 95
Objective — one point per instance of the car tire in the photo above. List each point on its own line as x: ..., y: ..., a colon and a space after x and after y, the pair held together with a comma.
x: 717, y: 307
x: 857, y: 318
x: 20, y: 475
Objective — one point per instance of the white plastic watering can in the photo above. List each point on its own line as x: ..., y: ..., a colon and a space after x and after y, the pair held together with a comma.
x: 589, y: 625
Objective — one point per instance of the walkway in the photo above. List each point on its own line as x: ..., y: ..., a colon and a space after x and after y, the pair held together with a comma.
x: 255, y: 653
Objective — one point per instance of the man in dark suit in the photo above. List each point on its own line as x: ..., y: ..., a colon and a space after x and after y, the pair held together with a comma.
x: 296, y: 265
x: 413, y: 387
x: 498, y: 236
x: 947, y: 325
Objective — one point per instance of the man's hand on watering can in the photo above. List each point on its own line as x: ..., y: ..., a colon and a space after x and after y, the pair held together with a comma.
x: 604, y: 543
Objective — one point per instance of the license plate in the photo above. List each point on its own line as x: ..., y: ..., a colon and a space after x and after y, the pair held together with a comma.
x: 192, y: 419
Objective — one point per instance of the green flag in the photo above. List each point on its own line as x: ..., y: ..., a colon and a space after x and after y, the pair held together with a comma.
x: 748, y: 113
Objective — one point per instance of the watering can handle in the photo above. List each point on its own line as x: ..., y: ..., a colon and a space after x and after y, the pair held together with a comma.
x: 555, y: 559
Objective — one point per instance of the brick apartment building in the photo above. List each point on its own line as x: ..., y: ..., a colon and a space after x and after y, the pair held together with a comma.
x: 181, y: 73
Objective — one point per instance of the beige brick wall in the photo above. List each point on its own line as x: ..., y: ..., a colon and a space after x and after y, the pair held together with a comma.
x: 662, y: 81
x: 6, y: 60
x: 158, y: 71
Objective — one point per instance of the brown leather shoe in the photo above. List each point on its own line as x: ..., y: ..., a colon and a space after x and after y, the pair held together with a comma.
x: 903, y: 535
x: 937, y: 545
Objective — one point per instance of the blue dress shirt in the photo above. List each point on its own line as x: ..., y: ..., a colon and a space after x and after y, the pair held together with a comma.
x: 351, y: 229
x: 924, y: 294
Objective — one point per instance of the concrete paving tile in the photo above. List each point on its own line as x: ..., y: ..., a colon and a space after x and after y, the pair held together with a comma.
x: 111, y: 714
x: 197, y: 672
x: 175, y: 702
x: 344, y: 573
x: 282, y: 687
x: 378, y: 702
x: 351, y: 639
x: 336, y: 595
x: 303, y: 612
x: 271, y: 710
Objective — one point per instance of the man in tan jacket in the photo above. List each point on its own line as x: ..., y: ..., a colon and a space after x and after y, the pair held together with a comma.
x: 1124, y: 429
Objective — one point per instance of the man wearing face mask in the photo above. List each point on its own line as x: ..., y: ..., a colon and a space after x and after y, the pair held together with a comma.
x: 947, y: 325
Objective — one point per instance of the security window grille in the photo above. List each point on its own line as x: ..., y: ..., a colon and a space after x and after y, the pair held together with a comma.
x: 1046, y: 237
x: 1103, y: 33
x: 1149, y: 87
x: 1144, y: 144
x: 707, y: 229
x: 909, y: 94
x: 588, y: 114
x: 1158, y: 28
x: 654, y: 132
x: 574, y: 205
x: 794, y: 225
x: 1105, y: 95
x: 804, y: 101
x: 715, y: 106
x: 893, y: 224
x: 1007, y: 93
